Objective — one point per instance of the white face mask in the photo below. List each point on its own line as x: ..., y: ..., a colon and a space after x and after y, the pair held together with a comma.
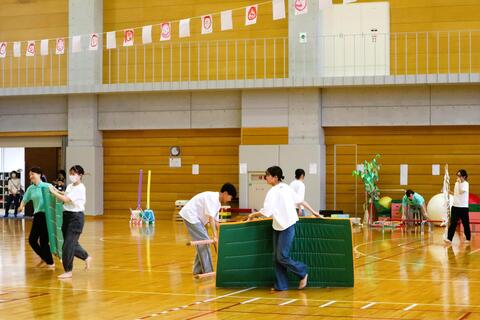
x: 74, y: 178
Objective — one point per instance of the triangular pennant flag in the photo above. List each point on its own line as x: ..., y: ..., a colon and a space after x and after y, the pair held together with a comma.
x: 207, y: 24
x: 30, y: 52
x: 251, y: 15
x: 76, y: 44
x: 278, y: 9
x: 44, y: 47
x: 147, y: 34
x: 128, y: 37
x: 324, y: 4
x: 226, y: 20
x: 349, y: 1
x: 111, y: 40
x: 93, y: 44
x: 165, y: 31
x: 184, y: 28
x: 301, y: 7
x: 17, y: 47
x: 60, y: 46
x: 3, y: 49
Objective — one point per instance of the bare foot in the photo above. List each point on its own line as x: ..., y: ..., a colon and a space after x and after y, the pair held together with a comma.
x: 303, y: 282
x: 66, y: 275
x: 88, y: 263
x: 51, y: 266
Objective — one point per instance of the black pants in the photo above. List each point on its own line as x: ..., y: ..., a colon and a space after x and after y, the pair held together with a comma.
x: 459, y: 213
x: 40, y: 232
x: 16, y: 202
x: 72, y: 228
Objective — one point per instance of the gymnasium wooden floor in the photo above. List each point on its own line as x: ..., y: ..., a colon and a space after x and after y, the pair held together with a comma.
x: 145, y: 274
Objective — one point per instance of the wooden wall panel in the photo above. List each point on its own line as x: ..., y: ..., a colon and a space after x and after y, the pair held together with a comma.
x: 33, y: 20
x: 126, y: 152
x: 121, y: 14
x: 419, y: 147
x: 257, y: 136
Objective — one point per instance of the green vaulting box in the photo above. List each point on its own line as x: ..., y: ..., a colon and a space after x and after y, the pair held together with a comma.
x: 245, y: 256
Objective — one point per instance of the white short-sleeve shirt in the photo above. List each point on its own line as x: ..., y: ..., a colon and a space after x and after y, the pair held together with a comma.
x: 299, y: 187
x: 201, y: 207
x: 78, y: 196
x: 280, y: 204
x: 460, y: 200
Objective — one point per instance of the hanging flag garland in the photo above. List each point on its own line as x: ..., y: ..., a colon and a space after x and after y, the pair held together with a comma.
x: 301, y: 7
x: 93, y: 43
x: 207, y: 24
x: 166, y: 33
x: 226, y: 23
x: 251, y: 15
x: 128, y: 35
x: 3, y: 49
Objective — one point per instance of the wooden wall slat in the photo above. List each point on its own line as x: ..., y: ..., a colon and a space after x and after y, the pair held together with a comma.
x: 126, y: 152
x: 265, y: 136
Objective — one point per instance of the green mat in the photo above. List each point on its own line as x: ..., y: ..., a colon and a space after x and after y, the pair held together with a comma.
x: 245, y: 256
x: 54, y: 216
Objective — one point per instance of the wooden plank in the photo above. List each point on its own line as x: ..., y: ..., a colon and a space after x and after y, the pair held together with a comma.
x: 218, y: 164
x: 35, y: 134
x: 168, y: 142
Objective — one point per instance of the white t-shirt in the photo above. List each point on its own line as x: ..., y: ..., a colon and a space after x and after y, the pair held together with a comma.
x: 78, y: 196
x: 201, y: 207
x: 280, y: 205
x: 460, y: 200
x: 299, y: 187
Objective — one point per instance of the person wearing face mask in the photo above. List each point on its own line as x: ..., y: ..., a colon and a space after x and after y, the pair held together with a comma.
x: 74, y: 200
x: 14, y: 193
x: 280, y: 204
x: 460, y: 207
x: 38, y: 237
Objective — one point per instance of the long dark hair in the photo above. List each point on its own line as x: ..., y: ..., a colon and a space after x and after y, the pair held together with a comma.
x: 39, y: 171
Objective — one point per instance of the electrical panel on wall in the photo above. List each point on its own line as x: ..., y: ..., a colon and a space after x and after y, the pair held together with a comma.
x: 355, y: 40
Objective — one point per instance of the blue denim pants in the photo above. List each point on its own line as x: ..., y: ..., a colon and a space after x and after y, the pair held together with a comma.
x: 282, y: 243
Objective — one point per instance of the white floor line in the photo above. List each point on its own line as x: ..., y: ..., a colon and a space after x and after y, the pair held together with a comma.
x: 251, y: 300
x: 410, y: 307
x: 229, y: 294
x: 369, y: 305
x: 287, y: 302
x: 327, y: 304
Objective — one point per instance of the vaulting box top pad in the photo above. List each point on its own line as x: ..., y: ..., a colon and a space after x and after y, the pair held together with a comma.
x: 245, y: 253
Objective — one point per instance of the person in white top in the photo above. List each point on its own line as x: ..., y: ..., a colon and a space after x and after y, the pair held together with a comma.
x: 280, y: 204
x: 299, y: 187
x: 74, y: 200
x: 460, y: 207
x: 14, y: 193
x: 200, y: 210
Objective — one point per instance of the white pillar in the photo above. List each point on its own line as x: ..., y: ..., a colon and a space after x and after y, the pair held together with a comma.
x: 85, y: 68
